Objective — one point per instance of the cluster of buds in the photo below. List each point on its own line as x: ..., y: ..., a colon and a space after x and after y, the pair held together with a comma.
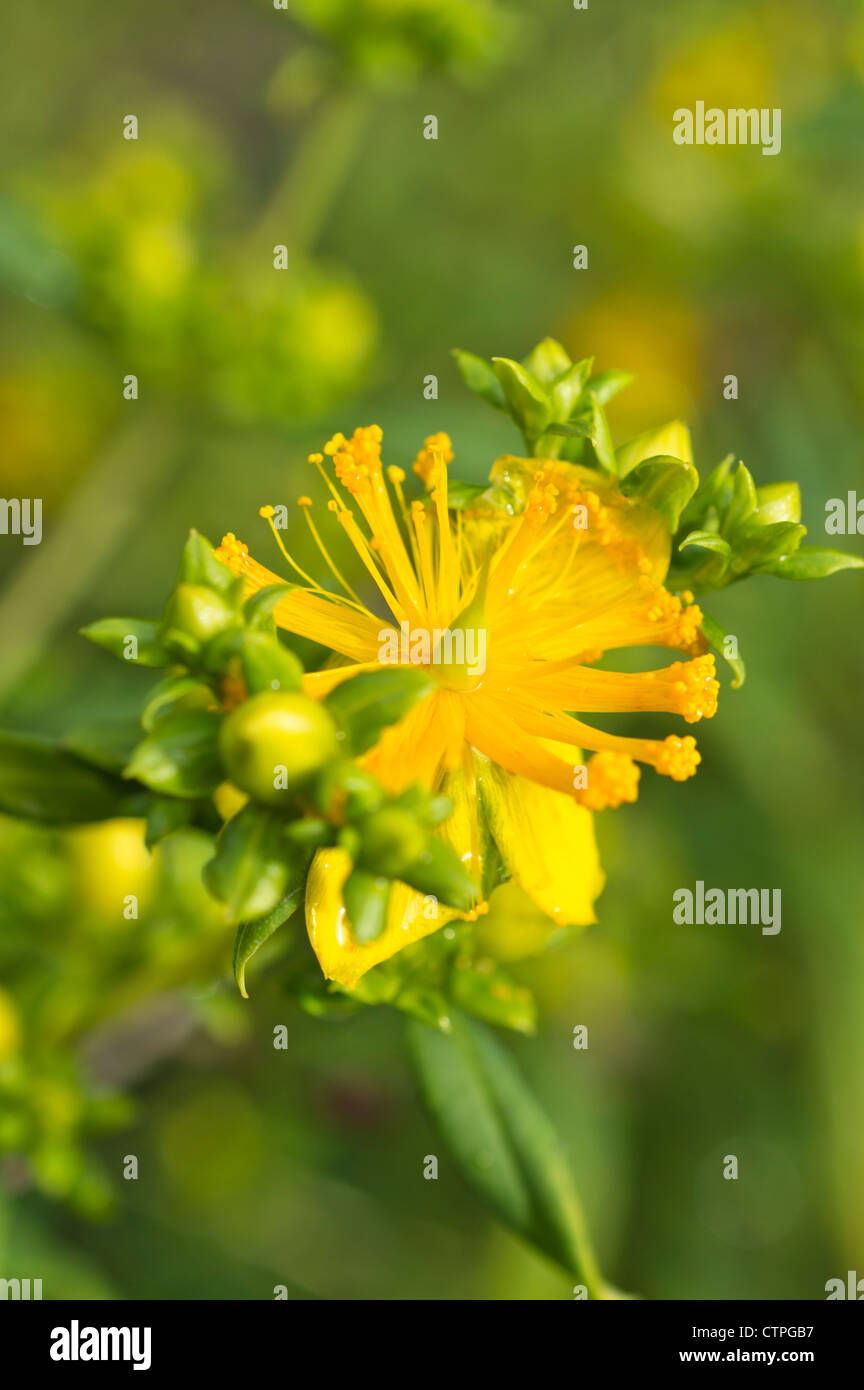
x: 229, y: 741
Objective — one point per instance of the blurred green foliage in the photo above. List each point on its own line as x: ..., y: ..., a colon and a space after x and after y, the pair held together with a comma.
x: 304, y: 1167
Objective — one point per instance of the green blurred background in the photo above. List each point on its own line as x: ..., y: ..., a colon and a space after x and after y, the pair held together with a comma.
x: 257, y: 127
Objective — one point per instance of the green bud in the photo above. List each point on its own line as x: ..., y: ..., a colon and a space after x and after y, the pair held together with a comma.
x: 274, y: 742
x: 345, y: 789
x: 197, y: 611
x: 366, y: 897
x: 391, y: 839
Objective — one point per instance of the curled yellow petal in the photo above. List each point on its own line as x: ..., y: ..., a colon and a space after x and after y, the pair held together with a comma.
x: 410, y: 917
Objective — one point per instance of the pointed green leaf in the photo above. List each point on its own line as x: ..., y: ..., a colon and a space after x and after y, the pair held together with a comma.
x: 252, y: 935
x: 254, y: 865
x: 134, y: 639
x: 479, y: 376
x: 718, y: 639
x: 364, y: 705
x: 665, y: 483
x: 811, y: 562
x: 503, y: 1141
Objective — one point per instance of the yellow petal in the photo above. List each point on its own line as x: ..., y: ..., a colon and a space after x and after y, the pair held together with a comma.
x: 410, y: 917
x: 547, y: 842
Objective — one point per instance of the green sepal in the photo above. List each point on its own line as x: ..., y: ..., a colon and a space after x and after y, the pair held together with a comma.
x: 173, y: 695
x: 254, y: 865
x: 527, y: 400
x: 179, y: 757
x: 716, y: 637
x: 113, y: 634
x: 706, y: 567
x: 479, y: 376
x: 364, y: 705
x: 665, y: 483
x: 258, y: 610
x: 366, y: 897
x: 267, y: 665
x: 568, y: 388
x: 601, y: 437
x: 198, y: 565
x: 41, y: 781
x: 548, y: 361
x: 813, y: 562
x: 759, y: 546
x: 439, y: 872
x: 251, y: 936
x: 777, y: 502
x: 607, y: 384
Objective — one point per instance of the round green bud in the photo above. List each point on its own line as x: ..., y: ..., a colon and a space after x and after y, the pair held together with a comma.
x: 198, y: 611
x: 391, y: 840
x: 272, y: 743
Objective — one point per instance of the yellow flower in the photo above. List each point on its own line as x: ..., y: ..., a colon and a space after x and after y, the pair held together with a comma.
x: 575, y: 570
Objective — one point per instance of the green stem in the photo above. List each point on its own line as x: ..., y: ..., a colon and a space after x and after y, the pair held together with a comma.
x: 301, y: 200
x: 51, y: 580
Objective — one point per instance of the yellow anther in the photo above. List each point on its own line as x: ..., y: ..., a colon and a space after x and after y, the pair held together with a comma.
x: 304, y: 501
x: 677, y: 758
x: 613, y: 778
x: 266, y: 512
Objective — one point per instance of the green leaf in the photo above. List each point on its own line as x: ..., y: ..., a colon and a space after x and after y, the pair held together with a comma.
x: 607, y: 384
x: 252, y: 935
x: 40, y: 781
x: 528, y: 402
x: 717, y: 638
x: 258, y: 610
x: 254, y: 865
x: 106, y: 743
x: 165, y: 815
x: 134, y: 639
x: 364, y: 705
x: 547, y: 361
x: 366, y: 897
x: 743, y: 501
x: 601, y: 437
x: 180, y: 755
x: 503, y: 1141
x: 479, y: 376
x: 665, y: 483
x: 811, y: 562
